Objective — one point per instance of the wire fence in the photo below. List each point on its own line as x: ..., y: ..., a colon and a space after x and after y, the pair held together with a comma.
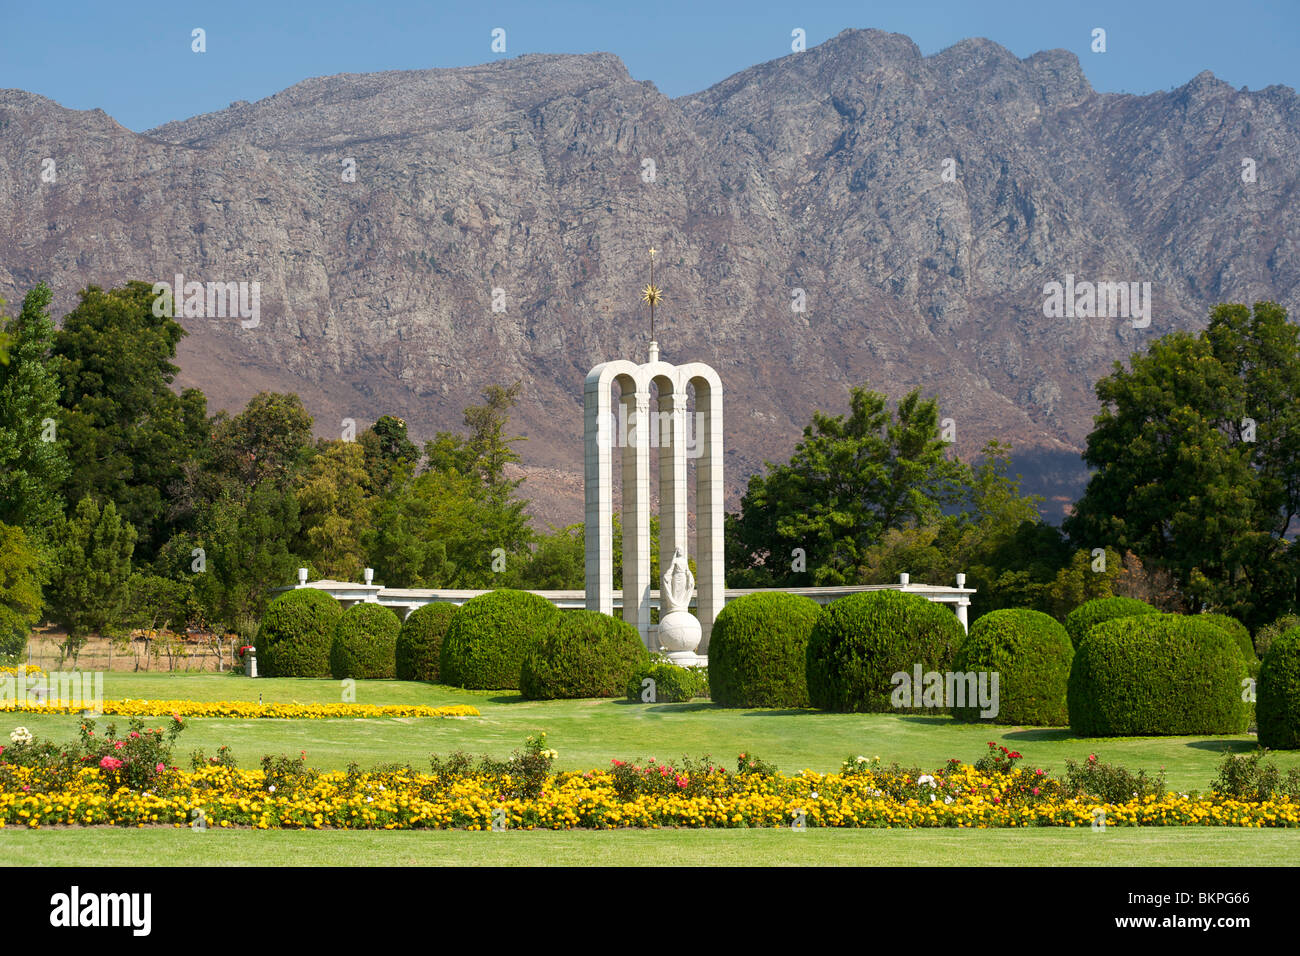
x: 145, y: 651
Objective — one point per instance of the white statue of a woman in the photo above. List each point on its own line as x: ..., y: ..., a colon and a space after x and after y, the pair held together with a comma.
x: 678, y: 583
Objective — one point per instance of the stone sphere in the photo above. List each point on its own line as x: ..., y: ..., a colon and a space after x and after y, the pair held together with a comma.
x: 679, y: 631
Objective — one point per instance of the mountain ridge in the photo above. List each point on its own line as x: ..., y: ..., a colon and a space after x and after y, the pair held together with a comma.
x: 821, y: 171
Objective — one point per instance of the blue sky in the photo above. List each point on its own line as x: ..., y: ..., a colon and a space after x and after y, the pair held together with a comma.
x: 134, y: 60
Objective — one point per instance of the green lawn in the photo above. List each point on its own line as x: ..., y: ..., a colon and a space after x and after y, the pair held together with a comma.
x: 1079, y: 847
x: 587, y: 733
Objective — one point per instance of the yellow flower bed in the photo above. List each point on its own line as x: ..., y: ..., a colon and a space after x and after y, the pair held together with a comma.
x: 17, y: 670
x: 226, y: 797
x: 243, y: 709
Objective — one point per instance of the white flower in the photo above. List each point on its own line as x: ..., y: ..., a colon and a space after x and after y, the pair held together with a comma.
x: 813, y: 794
x: 861, y: 759
x: 271, y: 788
x: 947, y: 799
x: 21, y: 735
x: 926, y: 778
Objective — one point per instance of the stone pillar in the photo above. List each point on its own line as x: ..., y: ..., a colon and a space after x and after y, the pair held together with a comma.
x: 672, y: 480
x: 710, y: 550
x: 598, y: 475
x: 636, y: 512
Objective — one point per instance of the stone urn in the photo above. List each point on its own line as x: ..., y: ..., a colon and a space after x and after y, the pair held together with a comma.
x: 679, y: 629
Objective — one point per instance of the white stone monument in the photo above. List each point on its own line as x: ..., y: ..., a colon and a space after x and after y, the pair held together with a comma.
x: 603, y: 431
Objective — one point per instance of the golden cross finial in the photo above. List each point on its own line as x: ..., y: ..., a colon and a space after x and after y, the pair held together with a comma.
x: 651, y: 294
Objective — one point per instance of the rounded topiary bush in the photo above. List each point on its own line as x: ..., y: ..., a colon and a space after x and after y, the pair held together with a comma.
x: 859, y: 642
x: 672, y: 683
x: 584, y: 654
x: 1156, y: 675
x: 295, y: 635
x: 485, y: 645
x: 1239, y: 632
x: 1277, y: 697
x: 419, y: 643
x: 1030, y: 652
x: 758, y: 650
x: 1091, y: 613
x: 365, y: 643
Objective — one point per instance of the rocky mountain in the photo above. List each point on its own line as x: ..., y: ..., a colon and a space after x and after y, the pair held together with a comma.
x: 917, y: 205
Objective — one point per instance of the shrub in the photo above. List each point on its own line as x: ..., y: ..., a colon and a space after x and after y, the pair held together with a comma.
x: 1109, y: 782
x: 1157, y: 674
x: 419, y: 643
x: 1244, y: 778
x: 1269, y: 633
x: 137, y: 761
x: 859, y: 642
x: 287, y: 776
x: 758, y: 651
x: 522, y: 777
x: 584, y: 654
x: 1239, y: 632
x: 485, y: 645
x: 365, y: 643
x: 1277, y: 699
x: 296, y: 633
x: 1091, y: 613
x: 1031, y: 653
x: 672, y: 684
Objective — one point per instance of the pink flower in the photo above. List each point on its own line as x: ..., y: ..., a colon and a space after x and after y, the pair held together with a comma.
x: 159, y: 768
x: 1035, y: 791
x: 110, y: 763
x: 135, y: 735
x: 119, y: 745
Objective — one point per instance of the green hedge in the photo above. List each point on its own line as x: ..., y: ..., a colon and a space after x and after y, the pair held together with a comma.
x: 419, y: 643
x: 758, y: 651
x: 1031, y: 654
x: 295, y: 635
x: 859, y: 642
x: 485, y: 645
x: 1239, y: 632
x: 584, y: 654
x: 1091, y: 613
x: 1156, y: 675
x: 365, y: 643
x: 1277, y: 698
x: 672, y: 684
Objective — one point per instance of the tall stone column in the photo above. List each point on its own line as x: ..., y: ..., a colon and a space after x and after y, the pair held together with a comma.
x: 597, y: 492
x: 636, y: 512
x: 710, y: 551
x: 672, y: 478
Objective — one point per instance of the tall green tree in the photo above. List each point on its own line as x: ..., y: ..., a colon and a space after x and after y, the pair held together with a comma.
x: 850, y: 480
x: 389, y: 454
x: 127, y: 432
x: 21, y: 576
x: 335, y: 510
x: 245, y: 550
x: 33, y: 464
x: 270, y: 440
x: 88, y: 591
x: 1197, y: 451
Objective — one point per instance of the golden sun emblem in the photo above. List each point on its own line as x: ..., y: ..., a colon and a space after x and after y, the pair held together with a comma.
x: 651, y: 294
